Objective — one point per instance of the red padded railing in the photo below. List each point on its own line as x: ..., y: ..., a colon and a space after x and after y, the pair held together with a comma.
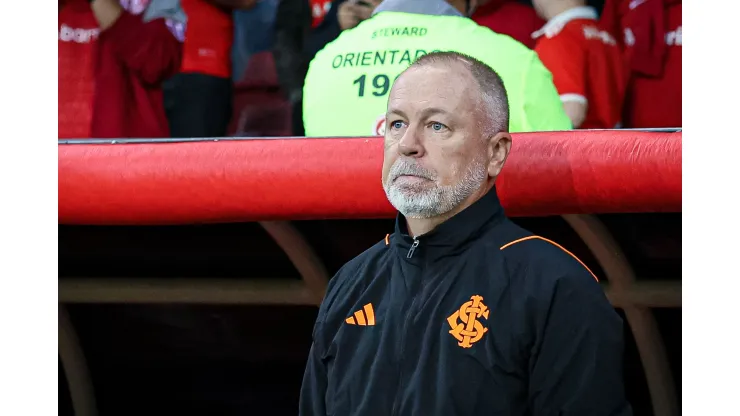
x: 307, y: 178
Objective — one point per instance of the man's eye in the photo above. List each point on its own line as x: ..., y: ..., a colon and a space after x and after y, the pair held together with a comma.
x: 438, y: 126
x: 397, y: 124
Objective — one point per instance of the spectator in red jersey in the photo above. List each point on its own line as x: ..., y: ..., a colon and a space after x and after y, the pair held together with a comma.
x: 586, y: 63
x: 199, y: 97
x: 650, y: 33
x: 112, y: 61
x: 509, y: 17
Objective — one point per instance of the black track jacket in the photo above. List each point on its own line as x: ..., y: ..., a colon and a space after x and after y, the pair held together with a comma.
x: 478, y: 317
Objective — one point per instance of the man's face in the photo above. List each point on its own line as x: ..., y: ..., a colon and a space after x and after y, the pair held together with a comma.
x: 435, y: 155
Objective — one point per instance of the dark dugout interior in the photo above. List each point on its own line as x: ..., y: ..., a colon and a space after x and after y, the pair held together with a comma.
x: 154, y: 359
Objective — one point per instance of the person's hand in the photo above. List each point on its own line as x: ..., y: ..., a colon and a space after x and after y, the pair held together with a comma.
x: 352, y: 12
x: 366, y: 8
x: 347, y: 15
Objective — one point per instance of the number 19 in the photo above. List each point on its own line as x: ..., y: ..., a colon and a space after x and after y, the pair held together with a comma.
x: 381, y: 84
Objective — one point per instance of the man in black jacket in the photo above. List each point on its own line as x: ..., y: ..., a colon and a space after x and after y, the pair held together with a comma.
x: 459, y: 311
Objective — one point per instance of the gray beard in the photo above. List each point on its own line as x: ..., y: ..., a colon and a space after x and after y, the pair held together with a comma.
x: 434, y: 201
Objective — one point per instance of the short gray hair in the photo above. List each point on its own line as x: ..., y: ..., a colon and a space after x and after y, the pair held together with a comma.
x: 492, y: 91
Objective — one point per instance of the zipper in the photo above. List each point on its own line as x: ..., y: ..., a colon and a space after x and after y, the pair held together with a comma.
x: 413, y: 248
x: 401, y: 372
x: 409, y: 314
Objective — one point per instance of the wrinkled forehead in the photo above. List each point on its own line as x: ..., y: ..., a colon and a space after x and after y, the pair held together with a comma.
x: 446, y: 86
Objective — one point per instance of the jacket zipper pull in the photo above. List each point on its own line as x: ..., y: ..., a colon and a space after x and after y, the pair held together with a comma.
x: 413, y: 247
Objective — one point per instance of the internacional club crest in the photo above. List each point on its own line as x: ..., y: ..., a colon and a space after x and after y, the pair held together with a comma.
x: 465, y: 325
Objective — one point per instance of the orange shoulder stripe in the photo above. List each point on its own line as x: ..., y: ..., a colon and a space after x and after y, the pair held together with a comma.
x: 532, y: 237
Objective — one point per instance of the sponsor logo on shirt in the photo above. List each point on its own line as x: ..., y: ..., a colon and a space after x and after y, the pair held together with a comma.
x: 69, y: 34
x: 592, y: 32
x: 672, y: 38
x: 466, y: 327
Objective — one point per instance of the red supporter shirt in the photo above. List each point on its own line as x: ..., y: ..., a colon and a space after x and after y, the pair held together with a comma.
x: 78, y: 35
x: 650, y: 32
x: 508, y: 17
x: 586, y: 64
x: 110, y: 81
x: 208, y: 39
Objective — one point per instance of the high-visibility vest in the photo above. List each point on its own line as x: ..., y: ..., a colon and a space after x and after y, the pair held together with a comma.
x: 347, y: 85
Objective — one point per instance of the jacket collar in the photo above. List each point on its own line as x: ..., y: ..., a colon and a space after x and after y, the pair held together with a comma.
x: 455, y: 233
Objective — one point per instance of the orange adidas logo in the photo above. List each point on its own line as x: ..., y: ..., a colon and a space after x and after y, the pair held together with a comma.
x: 359, y: 318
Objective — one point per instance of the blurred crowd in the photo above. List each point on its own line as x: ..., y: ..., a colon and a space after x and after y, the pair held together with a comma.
x: 214, y: 68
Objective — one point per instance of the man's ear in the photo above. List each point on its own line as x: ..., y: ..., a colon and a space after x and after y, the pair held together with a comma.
x: 498, y: 150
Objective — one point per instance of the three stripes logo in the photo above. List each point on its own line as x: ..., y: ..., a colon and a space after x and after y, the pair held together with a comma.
x: 363, y: 317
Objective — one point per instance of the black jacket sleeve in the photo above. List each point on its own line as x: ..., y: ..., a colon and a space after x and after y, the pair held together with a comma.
x: 316, y: 391
x: 575, y: 366
x: 315, y: 379
x: 292, y: 25
x: 313, y: 389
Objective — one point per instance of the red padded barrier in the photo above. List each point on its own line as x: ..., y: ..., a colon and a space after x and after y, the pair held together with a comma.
x: 250, y: 180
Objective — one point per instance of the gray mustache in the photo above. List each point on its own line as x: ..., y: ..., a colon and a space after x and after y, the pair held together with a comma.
x: 403, y: 167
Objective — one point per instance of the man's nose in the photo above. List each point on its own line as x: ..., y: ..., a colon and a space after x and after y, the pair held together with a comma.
x: 411, y: 143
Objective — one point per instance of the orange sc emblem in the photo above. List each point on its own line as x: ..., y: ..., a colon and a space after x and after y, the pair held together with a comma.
x: 363, y: 317
x: 465, y: 325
